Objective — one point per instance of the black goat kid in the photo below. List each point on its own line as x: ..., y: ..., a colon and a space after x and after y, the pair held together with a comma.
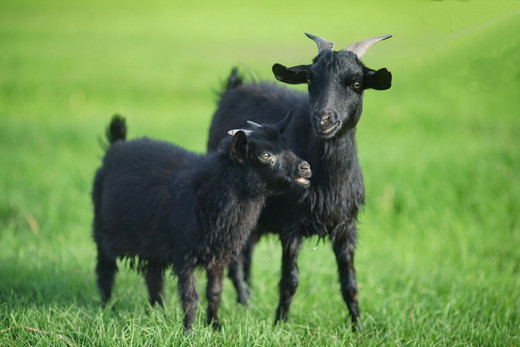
x: 322, y: 131
x: 161, y: 205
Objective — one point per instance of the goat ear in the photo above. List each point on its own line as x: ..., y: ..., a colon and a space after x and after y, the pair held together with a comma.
x: 282, y: 125
x: 292, y: 75
x: 239, y: 147
x: 380, y: 79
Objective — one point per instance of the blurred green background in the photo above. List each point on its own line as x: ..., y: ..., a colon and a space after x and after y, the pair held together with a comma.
x: 439, y: 258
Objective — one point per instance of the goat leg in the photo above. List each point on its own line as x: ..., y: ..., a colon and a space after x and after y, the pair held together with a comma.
x: 189, y: 297
x: 240, y: 269
x: 236, y: 274
x: 290, y: 280
x: 154, y: 276
x: 343, y: 243
x: 213, y: 294
x: 106, y: 269
x: 247, y: 256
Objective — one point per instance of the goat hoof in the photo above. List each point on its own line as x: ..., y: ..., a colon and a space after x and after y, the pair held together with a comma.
x: 357, y: 326
x: 243, y: 301
x: 216, y: 326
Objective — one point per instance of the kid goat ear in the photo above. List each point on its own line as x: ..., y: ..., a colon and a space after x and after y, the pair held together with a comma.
x: 240, y: 146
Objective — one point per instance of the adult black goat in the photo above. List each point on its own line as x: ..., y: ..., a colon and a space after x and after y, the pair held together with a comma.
x: 322, y: 131
x: 161, y: 205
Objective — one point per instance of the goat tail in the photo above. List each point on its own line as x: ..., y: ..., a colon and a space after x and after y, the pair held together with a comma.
x: 234, y: 79
x: 116, y: 131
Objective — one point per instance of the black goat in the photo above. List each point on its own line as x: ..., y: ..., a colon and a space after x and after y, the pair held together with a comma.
x: 160, y: 205
x: 322, y: 131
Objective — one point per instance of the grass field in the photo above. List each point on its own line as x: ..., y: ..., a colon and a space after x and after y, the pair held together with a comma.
x: 438, y: 260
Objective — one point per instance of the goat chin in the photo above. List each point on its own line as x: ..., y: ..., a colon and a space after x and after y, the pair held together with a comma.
x: 329, y: 132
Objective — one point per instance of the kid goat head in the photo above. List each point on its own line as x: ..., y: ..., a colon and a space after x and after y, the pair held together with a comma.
x: 336, y: 82
x: 265, y: 147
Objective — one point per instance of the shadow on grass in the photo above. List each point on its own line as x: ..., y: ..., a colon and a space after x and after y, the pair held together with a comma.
x: 33, y: 284
x: 49, y: 282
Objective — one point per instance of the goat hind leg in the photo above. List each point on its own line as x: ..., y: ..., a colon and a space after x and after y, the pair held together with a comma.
x: 154, y: 276
x: 106, y: 269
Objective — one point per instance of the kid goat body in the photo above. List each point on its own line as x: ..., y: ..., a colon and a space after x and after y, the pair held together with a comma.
x: 164, y: 206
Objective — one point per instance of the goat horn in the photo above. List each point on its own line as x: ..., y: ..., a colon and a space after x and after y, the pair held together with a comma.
x: 361, y: 47
x: 253, y: 124
x: 323, y: 45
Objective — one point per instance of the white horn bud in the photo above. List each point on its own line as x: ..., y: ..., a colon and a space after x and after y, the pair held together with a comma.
x: 234, y: 131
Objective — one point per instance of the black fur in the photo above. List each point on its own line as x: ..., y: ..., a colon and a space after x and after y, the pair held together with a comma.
x: 163, y: 206
x: 322, y: 130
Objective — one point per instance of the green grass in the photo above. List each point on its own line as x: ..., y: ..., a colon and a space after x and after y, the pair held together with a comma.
x: 438, y: 259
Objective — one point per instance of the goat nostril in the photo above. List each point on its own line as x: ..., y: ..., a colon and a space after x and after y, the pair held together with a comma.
x: 305, y: 169
x: 323, y: 117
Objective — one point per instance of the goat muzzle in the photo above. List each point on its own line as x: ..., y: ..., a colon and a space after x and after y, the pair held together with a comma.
x: 304, y: 172
x: 325, y: 122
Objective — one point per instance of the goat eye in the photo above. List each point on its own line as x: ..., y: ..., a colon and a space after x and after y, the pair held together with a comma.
x: 265, y: 156
x: 357, y: 85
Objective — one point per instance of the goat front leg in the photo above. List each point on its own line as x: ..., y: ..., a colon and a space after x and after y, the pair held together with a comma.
x: 240, y: 269
x: 236, y: 274
x: 213, y: 294
x: 290, y: 280
x: 247, y: 257
x: 189, y: 297
x: 343, y: 243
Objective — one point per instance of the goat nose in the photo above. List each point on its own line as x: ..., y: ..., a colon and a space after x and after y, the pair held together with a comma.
x: 323, y: 117
x: 305, y: 169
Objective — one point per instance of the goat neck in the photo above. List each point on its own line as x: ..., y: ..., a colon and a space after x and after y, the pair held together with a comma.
x: 337, y: 154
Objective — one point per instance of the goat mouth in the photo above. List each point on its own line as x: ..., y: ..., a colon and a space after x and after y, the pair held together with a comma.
x: 328, y: 132
x: 302, y: 181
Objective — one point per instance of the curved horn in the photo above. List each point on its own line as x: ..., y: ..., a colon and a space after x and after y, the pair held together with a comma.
x: 361, y: 47
x: 323, y: 45
x: 253, y: 124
